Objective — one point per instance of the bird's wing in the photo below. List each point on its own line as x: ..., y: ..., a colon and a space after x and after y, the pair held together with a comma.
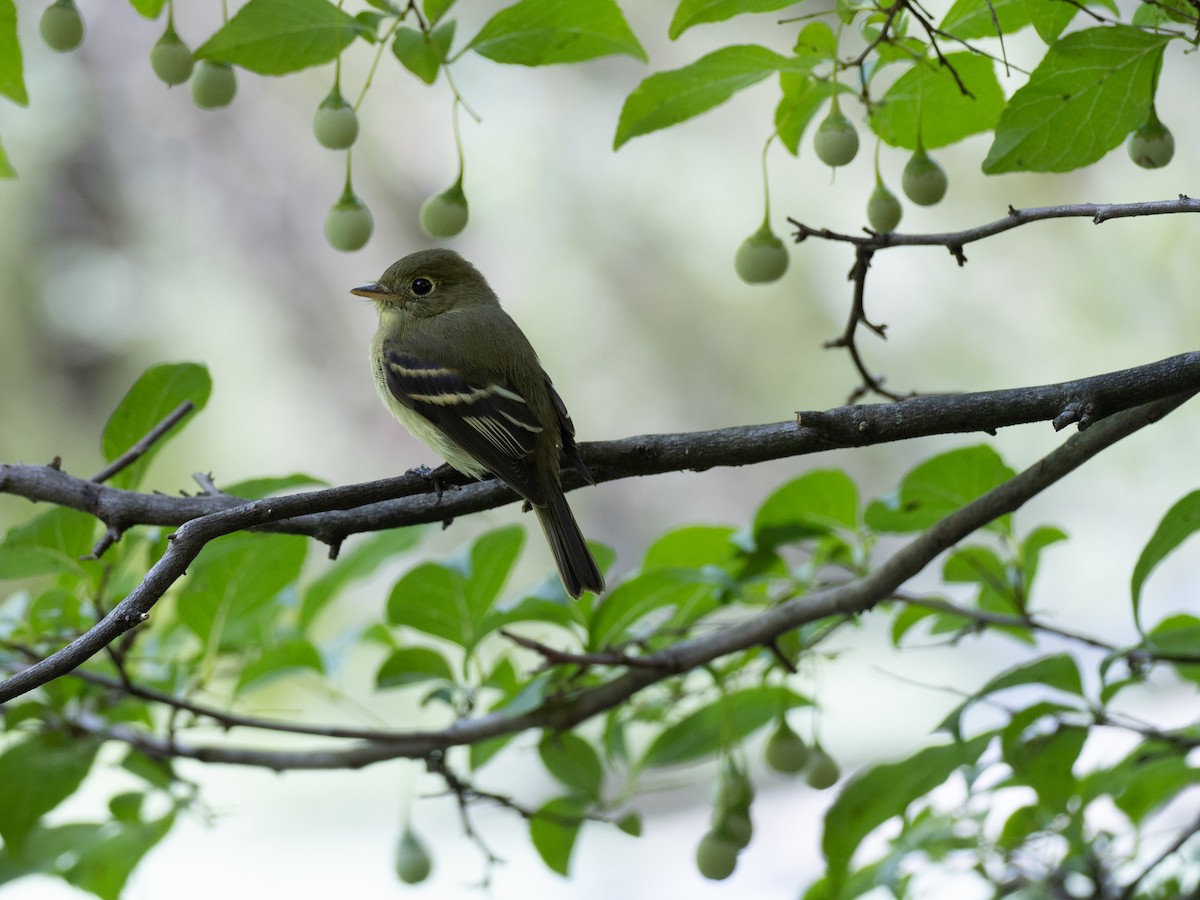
x: 566, y: 430
x: 489, y: 421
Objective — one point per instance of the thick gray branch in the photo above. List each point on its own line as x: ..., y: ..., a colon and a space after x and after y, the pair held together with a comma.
x: 332, y: 514
x: 850, y: 598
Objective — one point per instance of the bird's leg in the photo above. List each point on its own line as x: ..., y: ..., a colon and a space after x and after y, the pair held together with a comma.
x: 436, y: 477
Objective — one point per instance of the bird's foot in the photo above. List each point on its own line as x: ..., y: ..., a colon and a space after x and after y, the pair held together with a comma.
x: 437, y: 478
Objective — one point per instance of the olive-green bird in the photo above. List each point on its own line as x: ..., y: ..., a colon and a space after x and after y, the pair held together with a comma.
x: 460, y: 375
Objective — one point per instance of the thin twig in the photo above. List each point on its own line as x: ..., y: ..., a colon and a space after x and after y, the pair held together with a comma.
x: 155, y: 434
x: 553, y: 657
x: 866, y: 245
x: 1174, y: 847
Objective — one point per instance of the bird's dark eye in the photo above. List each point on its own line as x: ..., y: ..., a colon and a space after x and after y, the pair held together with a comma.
x: 421, y: 286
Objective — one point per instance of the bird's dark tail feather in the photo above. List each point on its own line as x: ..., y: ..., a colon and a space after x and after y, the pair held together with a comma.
x: 576, y: 566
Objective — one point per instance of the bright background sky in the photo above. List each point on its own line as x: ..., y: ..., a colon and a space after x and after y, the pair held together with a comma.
x: 143, y: 230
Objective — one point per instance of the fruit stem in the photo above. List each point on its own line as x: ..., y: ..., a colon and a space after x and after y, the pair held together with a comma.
x: 458, y: 147
x: 766, y: 222
x: 374, y: 63
x: 348, y: 190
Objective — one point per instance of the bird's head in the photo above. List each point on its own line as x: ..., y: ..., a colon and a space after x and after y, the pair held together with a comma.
x: 427, y: 283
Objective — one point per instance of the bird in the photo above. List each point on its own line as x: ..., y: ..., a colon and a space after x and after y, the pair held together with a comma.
x: 455, y: 369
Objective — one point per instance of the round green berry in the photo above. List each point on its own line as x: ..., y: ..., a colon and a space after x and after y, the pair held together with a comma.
x: 213, y: 84
x: 349, y: 224
x: 924, y: 181
x: 822, y: 772
x: 884, y: 210
x: 1152, y: 145
x: 335, y: 123
x: 444, y: 215
x: 761, y: 258
x: 171, y: 59
x: 716, y: 857
x: 735, y: 826
x: 413, y: 863
x: 734, y: 790
x: 836, y: 140
x: 785, y: 750
x: 61, y: 26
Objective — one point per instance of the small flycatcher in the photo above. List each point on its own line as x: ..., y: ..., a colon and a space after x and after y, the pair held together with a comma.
x: 459, y: 374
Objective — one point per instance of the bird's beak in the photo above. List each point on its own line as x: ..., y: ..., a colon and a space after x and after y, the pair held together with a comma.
x: 371, y: 291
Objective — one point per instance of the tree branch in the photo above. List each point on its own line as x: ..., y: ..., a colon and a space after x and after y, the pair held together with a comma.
x: 1084, y: 401
x: 564, y: 712
x: 866, y: 245
x: 954, y: 241
x: 331, y: 514
x: 155, y: 434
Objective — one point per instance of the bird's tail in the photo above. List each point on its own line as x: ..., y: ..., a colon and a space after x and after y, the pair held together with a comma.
x: 576, y: 566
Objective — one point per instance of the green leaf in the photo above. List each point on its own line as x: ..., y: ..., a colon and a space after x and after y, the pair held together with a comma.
x: 692, y: 547
x: 816, y: 43
x: 874, y: 795
x: 481, y: 753
x: 1162, y: 12
x: 151, y: 9
x: 938, y: 487
x: 947, y: 115
x: 1051, y: 18
x: 6, y: 168
x: 258, y: 488
x: 812, y: 505
x: 546, y: 32
x: 423, y: 54
x: 1059, y: 671
x: 668, y: 98
x: 1031, y: 550
x: 1045, y: 762
x: 12, y: 69
x: 1180, y: 522
x: 274, y: 37
x: 38, y: 773
x: 1089, y: 91
x: 278, y: 658
x: 972, y: 19
x: 492, y: 557
x: 127, y: 807
x: 631, y: 824
x: 430, y: 598
x: 722, y: 723
x: 803, y: 95
x: 155, y: 772
x: 156, y: 394
x: 365, y: 557
x: 939, y: 622
x: 451, y: 601
x: 50, y: 543
x: 980, y: 565
x: 573, y: 761
x: 671, y: 595
x: 699, y: 12
x: 536, y: 607
x: 553, y: 830
x: 411, y: 665
x: 1178, y: 636
x: 435, y: 9
x: 226, y: 598
x: 1147, y: 784
x: 104, y: 859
